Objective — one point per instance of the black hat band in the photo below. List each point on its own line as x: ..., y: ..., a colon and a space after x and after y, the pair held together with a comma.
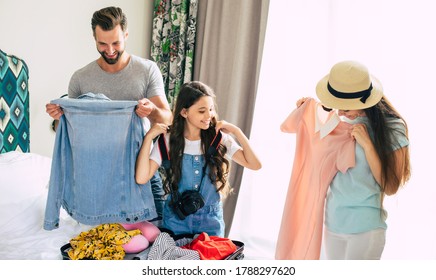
x: 363, y: 95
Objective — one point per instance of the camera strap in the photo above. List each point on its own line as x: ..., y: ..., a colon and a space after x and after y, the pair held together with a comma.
x: 211, y: 151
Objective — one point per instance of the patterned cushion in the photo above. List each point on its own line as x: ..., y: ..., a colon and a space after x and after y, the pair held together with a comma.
x: 14, y: 104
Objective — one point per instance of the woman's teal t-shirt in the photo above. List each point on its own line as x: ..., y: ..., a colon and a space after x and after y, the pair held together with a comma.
x: 353, y: 200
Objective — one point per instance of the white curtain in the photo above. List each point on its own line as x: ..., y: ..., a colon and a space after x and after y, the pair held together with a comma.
x: 396, y: 40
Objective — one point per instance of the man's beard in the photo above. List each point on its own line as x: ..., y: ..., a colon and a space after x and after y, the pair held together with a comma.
x: 111, y: 60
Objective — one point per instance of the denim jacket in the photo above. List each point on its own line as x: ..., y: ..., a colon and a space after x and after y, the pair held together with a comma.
x: 93, y: 165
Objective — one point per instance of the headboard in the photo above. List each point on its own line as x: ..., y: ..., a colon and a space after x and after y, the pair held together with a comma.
x: 14, y: 104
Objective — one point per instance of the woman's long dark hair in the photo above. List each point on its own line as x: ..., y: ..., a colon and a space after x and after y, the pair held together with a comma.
x: 384, y: 138
x: 218, y: 165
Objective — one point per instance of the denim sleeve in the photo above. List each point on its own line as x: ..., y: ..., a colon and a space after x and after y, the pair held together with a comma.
x: 52, y: 210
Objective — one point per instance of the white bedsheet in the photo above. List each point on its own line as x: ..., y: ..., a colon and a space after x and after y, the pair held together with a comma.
x: 23, y: 188
x: 23, y: 238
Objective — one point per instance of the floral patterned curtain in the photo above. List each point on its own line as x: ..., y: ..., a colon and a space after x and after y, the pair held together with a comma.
x: 173, y: 41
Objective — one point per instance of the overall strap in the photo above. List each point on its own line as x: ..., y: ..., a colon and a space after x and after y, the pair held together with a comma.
x: 213, y: 148
x: 163, y: 149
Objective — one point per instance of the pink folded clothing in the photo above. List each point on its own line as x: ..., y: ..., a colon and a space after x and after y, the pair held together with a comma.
x: 149, y: 233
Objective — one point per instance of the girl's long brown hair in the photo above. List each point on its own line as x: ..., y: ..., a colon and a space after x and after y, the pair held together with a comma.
x: 384, y: 138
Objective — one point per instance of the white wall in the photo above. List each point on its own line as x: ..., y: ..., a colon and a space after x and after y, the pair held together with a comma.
x: 54, y: 38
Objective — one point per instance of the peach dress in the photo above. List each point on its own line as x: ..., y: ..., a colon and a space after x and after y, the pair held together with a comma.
x: 322, y: 149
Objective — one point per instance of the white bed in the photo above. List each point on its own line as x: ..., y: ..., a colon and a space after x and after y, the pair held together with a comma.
x: 24, y: 179
x: 23, y: 186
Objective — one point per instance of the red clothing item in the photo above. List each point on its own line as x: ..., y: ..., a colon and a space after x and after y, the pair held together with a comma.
x: 322, y: 149
x: 212, y: 247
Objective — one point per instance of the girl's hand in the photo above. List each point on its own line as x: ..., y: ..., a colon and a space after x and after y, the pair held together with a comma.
x: 360, y: 133
x: 157, y: 129
x: 225, y: 127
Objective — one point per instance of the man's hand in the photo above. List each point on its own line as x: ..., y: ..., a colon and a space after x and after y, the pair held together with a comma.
x: 54, y: 110
x: 145, y: 108
x: 155, y: 108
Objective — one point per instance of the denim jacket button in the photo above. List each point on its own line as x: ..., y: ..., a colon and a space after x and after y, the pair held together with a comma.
x: 136, y: 218
x: 128, y: 219
x: 196, y: 171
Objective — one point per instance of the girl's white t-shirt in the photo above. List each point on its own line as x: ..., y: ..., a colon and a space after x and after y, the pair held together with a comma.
x: 194, y: 147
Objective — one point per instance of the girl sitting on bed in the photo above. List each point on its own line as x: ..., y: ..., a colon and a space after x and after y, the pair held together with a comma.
x: 194, y: 127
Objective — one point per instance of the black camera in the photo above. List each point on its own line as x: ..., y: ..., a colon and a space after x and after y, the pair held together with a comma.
x: 188, y: 203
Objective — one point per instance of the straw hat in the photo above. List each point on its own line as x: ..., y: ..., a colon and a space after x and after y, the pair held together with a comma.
x: 349, y: 86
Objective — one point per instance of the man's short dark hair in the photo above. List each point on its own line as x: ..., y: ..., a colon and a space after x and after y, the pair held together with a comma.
x: 108, y: 18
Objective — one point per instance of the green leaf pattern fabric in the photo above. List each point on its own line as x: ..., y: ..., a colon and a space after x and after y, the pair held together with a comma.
x: 173, y: 42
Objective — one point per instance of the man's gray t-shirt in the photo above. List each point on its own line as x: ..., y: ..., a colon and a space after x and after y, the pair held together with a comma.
x: 141, y: 78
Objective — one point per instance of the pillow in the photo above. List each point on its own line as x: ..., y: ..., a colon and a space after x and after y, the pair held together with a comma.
x: 23, y: 176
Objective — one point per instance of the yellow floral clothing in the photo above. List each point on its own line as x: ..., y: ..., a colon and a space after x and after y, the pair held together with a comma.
x: 101, y: 243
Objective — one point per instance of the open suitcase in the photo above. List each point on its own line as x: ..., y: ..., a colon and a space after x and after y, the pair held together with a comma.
x: 238, y: 254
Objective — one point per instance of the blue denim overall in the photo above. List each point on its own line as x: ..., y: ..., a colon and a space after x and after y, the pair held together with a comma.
x: 209, y: 218
x: 93, y: 165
